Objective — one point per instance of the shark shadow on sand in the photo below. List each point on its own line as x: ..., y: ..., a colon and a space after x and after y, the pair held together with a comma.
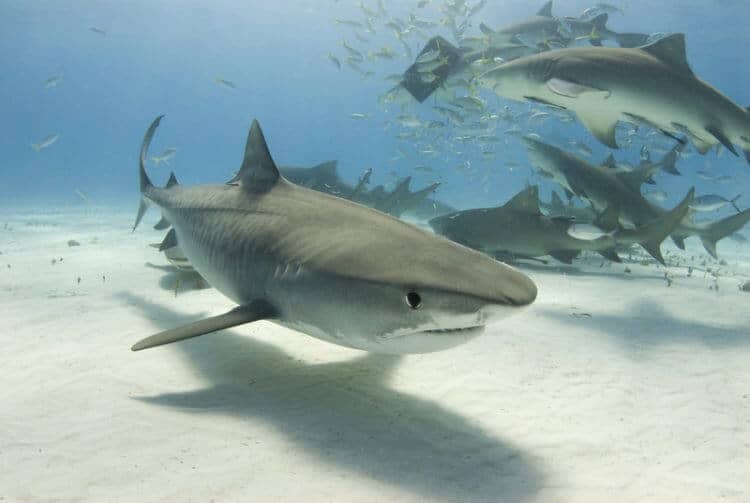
x: 345, y: 415
x: 645, y: 326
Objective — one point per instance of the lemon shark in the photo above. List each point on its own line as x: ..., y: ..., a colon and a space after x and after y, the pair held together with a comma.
x: 606, y: 188
x: 325, y: 266
x: 652, y: 85
x: 519, y: 229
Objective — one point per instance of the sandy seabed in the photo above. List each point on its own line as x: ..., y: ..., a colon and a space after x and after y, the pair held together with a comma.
x: 613, y: 386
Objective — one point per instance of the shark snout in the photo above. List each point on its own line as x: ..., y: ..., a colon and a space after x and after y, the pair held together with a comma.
x: 515, y: 289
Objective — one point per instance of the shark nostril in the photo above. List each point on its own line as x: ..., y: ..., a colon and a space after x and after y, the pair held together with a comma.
x: 414, y: 300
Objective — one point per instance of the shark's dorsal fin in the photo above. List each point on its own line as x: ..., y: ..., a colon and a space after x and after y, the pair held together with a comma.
x: 328, y: 168
x: 670, y: 50
x: 546, y: 10
x: 610, y: 162
x: 172, y: 181
x: 258, y: 172
x: 526, y: 201
x: 638, y: 176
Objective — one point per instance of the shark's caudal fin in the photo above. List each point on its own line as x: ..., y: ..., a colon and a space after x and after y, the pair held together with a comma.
x: 717, y: 231
x: 420, y: 84
x: 244, y: 314
x: 145, y: 182
x: 651, y: 235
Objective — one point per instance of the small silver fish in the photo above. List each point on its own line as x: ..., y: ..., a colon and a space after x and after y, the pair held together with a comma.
x: 46, y: 142
x: 713, y: 202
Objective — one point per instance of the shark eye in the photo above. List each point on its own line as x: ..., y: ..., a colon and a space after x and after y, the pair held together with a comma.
x: 414, y: 300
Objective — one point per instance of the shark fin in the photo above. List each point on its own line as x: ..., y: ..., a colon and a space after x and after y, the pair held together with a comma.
x: 172, y: 181
x: 526, y: 201
x: 670, y: 50
x: 610, y: 254
x: 145, y: 182
x: 747, y: 155
x: 608, y: 220
x: 570, y: 89
x: 162, y: 224
x: 602, y: 127
x: 546, y: 10
x: 170, y: 241
x: 486, y: 29
x: 565, y: 256
x: 719, y: 135
x: 556, y: 203
x: 327, y: 168
x: 258, y: 172
x: 717, y: 231
x: 610, y: 162
x: 656, y: 231
x: 244, y: 314
x: 599, y: 24
x: 701, y: 145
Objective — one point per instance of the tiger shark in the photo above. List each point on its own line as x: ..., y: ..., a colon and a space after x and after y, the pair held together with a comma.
x: 652, y: 85
x: 325, y: 266
x: 606, y: 188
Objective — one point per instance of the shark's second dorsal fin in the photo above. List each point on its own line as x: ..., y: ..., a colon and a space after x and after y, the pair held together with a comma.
x: 671, y: 50
x: 546, y: 10
x: 526, y: 201
x: 258, y: 172
x: 328, y: 168
x: 610, y: 162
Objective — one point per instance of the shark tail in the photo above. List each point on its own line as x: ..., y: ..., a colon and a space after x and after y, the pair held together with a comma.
x: 651, y: 235
x: 716, y: 231
x: 733, y: 202
x: 421, y: 87
x: 145, y: 182
x: 37, y: 147
x: 630, y: 40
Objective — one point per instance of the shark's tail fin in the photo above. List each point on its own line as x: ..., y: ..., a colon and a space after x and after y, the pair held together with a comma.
x: 145, y: 182
x: 651, y: 235
x: 733, y: 202
x: 630, y: 40
x: 421, y: 84
x: 668, y: 163
x: 36, y: 146
x: 717, y: 231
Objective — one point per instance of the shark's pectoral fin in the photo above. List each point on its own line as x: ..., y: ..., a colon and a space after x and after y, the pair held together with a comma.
x: 610, y: 254
x: 565, y: 256
x: 162, y: 224
x: 244, y: 314
x: 575, y: 90
x: 602, y: 126
x: 710, y: 246
x: 719, y: 135
x: 170, y: 241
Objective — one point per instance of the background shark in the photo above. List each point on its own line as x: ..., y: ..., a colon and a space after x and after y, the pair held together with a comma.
x: 519, y: 229
x: 603, y: 85
x: 325, y: 266
x: 606, y: 188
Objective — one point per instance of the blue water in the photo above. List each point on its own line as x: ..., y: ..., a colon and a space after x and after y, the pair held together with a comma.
x: 162, y: 57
